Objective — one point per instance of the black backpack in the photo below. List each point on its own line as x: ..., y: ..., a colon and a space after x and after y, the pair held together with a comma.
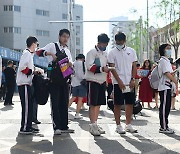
x: 41, y: 89
x: 56, y: 75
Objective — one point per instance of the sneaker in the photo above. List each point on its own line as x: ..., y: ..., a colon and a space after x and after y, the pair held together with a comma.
x: 77, y: 116
x: 130, y: 129
x: 67, y: 131
x: 94, y: 130
x: 166, y: 131
x: 34, y: 130
x: 120, y: 130
x: 101, y: 130
x: 26, y: 132
x: 83, y: 107
x: 36, y: 122
x: 57, y: 132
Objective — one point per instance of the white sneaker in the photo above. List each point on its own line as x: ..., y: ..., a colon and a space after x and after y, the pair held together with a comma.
x: 101, y: 130
x: 83, y: 107
x: 77, y: 116
x: 94, y: 130
x: 57, y: 132
x: 120, y: 130
x: 130, y: 129
x: 166, y: 131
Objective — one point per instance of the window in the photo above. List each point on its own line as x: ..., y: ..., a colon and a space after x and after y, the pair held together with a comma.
x: 64, y: 16
x: 16, y: 30
x: 17, y: 8
x: 42, y: 33
x: 77, y: 41
x: 64, y: 1
x: 10, y: 29
x: 12, y: 8
x: 5, y: 8
x: 78, y: 18
x: 5, y: 29
x: 42, y: 12
x: 78, y: 30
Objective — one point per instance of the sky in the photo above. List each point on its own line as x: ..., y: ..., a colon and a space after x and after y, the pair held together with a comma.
x: 106, y: 9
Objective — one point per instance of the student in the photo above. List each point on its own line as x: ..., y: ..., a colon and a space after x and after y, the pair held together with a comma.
x: 3, y: 85
x: 145, y: 90
x: 59, y: 87
x: 78, y: 89
x: 10, y: 76
x: 24, y: 82
x: 96, y: 63
x: 124, y: 59
x: 164, y: 88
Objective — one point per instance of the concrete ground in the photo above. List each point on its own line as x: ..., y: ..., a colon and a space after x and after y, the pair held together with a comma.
x: 147, y: 141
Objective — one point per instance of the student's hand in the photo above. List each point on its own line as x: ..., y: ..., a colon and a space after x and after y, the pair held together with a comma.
x: 69, y: 64
x: 132, y: 84
x: 121, y: 85
x: 105, y: 69
x: 54, y: 57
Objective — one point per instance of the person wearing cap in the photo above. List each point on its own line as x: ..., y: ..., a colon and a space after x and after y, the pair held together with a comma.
x: 78, y: 89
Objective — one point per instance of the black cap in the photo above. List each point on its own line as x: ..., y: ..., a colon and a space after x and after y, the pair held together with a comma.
x: 80, y: 56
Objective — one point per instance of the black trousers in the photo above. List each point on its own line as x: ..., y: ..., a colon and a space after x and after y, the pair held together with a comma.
x: 9, y: 93
x: 59, y: 95
x: 165, y: 107
x: 25, y: 94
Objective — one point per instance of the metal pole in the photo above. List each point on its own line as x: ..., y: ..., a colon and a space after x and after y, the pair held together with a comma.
x: 141, y: 40
x: 147, y: 28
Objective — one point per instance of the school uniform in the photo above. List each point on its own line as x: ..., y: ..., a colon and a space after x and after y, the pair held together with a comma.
x: 96, y: 78
x: 123, y: 60
x: 164, y: 89
x: 24, y: 82
x: 59, y: 92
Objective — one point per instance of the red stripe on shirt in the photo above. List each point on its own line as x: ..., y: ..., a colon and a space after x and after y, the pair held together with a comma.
x: 25, y: 71
x: 93, y: 68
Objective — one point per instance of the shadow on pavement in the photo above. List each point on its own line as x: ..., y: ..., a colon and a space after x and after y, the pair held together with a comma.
x: 110, y: 146
x: 147, y: 146
x: 6, y: 108
x: 65, y: 145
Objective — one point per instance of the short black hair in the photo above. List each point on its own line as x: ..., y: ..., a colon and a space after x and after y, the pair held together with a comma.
x: 162, y: 49
x: 120, y: 36
x: 80, y: 56
x: 10, y: 62
x: 103, y: 38
x: 62, y: 31
x: 30, y: 40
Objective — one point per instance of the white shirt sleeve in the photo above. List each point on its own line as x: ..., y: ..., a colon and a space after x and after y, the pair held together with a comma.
x: 24, y: 61
x: 134, y: 59
x: 79, y: 70
x: 90, y: 58
x: 111, y: 58
x: 165, y: 67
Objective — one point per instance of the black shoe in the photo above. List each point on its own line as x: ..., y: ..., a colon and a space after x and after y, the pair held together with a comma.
x: 34, y: 130
x: 6, y: 104
x: 26, y: 132
x: 11, y: 104
x: 37, y: 122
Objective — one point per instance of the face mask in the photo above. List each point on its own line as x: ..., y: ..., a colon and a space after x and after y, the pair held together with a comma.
x: 119, y: 46
x: 168, y: 52
x: 102, y: 48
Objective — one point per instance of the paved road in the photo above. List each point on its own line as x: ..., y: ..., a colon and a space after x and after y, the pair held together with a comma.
x: 148, y: 140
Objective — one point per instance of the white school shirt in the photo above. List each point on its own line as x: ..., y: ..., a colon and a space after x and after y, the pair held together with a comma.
x: 78, y: 73
x: 51, y: 48
x: 26, y: 60
x: 90, y: 59
x: 123, y: 60
x: 164, y: 67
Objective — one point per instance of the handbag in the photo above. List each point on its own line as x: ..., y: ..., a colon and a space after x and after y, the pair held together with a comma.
x: 84, y: 82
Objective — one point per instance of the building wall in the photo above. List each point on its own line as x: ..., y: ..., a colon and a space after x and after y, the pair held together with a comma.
x: 32, y: 19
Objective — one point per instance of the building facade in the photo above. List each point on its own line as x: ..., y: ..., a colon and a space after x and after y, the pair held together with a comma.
x: 22, y: 18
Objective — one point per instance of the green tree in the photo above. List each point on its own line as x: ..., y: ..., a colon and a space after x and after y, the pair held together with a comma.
x: 169, y: 12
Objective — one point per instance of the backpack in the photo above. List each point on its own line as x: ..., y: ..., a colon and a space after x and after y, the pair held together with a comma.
x: 41, y: 89
x: 154, y: 78
x: 56, y: 75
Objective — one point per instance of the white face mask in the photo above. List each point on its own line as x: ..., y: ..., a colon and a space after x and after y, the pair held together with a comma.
x: 120, y: 47
x: 168, y: 53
